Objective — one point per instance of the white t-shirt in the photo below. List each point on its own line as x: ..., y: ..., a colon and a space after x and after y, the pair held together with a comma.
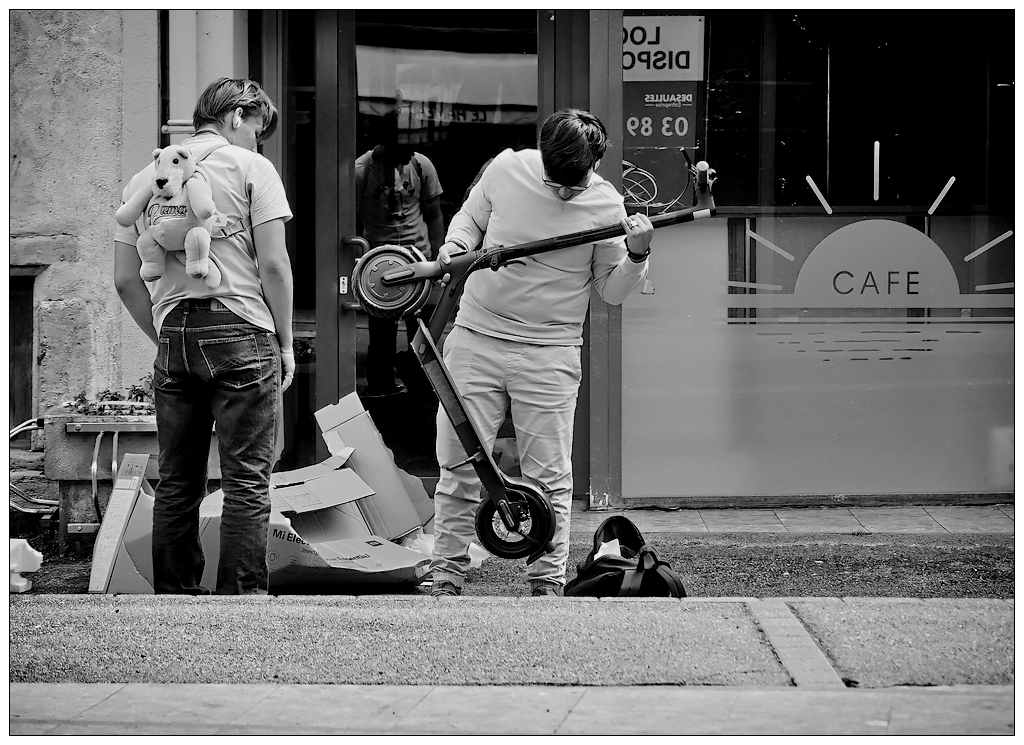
x: 247, y: 191
x: 540, y: 299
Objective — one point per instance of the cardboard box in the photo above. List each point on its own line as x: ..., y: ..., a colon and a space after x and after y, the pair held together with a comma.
x: 112, y: 569
x: 400, y: 505
x: 318, y: 539
x: 331, y: 524
x: 324, y: 549
x: 295, y: 564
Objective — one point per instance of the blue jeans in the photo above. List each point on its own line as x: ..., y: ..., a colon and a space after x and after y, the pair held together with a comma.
x: 213, y: 366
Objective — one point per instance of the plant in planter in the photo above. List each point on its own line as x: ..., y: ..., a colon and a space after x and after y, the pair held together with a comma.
x: 137, y: 400
x: 86, y: 439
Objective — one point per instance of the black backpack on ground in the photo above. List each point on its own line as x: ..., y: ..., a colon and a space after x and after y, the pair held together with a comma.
x: 638, y: 572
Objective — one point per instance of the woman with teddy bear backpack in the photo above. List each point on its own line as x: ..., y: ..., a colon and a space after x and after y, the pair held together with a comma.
x: 224, y: 355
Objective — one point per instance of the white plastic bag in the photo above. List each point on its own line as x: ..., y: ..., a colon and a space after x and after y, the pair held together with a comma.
x: 418, y: 541
x: 424, y: 543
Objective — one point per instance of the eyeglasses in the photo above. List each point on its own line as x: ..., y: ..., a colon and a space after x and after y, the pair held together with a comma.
x: 566, y: 190
x: 577, y: 189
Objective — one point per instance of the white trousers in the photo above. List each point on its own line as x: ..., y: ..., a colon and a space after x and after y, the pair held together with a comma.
x: 541, y: 384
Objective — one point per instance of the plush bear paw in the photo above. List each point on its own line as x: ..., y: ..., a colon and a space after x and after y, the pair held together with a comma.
x: 197, y: 268
x: 151, y: 272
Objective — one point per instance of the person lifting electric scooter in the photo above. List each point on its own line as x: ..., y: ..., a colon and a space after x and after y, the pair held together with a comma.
x: 517, y: 337
x: 519, y: 332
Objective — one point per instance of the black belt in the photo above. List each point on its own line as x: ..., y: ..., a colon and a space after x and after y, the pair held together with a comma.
x: 201, y: 303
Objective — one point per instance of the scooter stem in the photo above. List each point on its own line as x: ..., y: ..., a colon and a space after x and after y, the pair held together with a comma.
x: 465, y: 428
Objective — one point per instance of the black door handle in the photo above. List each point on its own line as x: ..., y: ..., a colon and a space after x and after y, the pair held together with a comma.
x: 359, y: 242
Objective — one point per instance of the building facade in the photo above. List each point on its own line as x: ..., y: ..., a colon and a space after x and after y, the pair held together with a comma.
x: 841, y: 330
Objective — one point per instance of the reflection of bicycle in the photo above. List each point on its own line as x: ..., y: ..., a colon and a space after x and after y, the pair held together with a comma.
x: 640, y: 188
x: 22, y: 502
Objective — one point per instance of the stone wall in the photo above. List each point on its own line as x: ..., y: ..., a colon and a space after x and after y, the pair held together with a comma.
x: 66, y: 101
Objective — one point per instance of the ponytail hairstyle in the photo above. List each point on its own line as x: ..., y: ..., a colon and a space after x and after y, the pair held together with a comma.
x: 227, y: 94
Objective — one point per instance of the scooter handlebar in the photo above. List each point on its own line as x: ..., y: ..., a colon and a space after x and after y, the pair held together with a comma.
x: 702, y: 174
x: 496, y: 257
x: 461, y: 265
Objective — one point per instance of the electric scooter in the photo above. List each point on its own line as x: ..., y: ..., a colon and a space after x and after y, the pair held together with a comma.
x: 516, y: 520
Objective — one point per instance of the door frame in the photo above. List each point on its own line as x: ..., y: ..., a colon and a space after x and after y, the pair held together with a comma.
x: 580, y: 65
x: 335, y: 118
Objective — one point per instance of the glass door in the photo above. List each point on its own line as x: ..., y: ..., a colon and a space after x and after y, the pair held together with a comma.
x: 294, y: 33
x: 439, y: 93
x: 307, y: 59
x: 456, y: 88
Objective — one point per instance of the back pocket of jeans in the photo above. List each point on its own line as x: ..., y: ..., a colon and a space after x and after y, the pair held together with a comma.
x: 233, y: 361
x: 163, y: 352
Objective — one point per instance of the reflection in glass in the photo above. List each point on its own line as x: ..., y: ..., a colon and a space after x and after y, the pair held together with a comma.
x: 460, y: 87
x: 845, y: 325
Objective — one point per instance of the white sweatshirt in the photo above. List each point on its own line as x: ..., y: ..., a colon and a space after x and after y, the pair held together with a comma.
x: 540, y: 299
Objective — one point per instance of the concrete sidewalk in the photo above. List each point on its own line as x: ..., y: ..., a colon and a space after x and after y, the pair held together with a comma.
x: 904, y: 519
x: 145, y: 709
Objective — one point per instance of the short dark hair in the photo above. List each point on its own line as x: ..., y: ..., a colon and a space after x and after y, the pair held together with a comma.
x: 571, y: 143
x: 227, y: 94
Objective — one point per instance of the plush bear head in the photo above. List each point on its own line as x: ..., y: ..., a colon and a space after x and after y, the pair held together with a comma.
x: 188, y: 206
x: 174, y: 166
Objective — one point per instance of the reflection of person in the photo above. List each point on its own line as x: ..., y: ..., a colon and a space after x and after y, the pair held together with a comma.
x: 519, y: 331
x: 398, y: 199
x: 222, y: 353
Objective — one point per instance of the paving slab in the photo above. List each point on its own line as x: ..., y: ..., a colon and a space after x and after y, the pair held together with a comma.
x: 938, y: 642
x: 896, y: 520
x: 36, y: 707
x: 974, y: 710
x: 469, y: 711
x: 651, y: 710
x: 819, y: 520
x: 646, y: 521
x: 742, y: 521
x: 336, y: 708
x: 821, y: 712
x: 980, y: 519
x: 150, y: 704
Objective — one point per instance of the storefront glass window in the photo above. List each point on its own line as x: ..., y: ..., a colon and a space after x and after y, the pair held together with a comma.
x: 844, y: 326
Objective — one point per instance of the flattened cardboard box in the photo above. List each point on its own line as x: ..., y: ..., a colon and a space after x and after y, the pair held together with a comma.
x: 400, y: 504
x: 109, y: 556
x: 323, y: 544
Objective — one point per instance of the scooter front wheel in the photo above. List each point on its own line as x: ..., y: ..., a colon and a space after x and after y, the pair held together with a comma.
x: 383, y: 301
x: 533, y: 518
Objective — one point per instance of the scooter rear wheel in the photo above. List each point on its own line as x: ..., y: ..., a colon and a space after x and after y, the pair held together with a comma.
x: 536, y: 520
x: 395, y: 301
